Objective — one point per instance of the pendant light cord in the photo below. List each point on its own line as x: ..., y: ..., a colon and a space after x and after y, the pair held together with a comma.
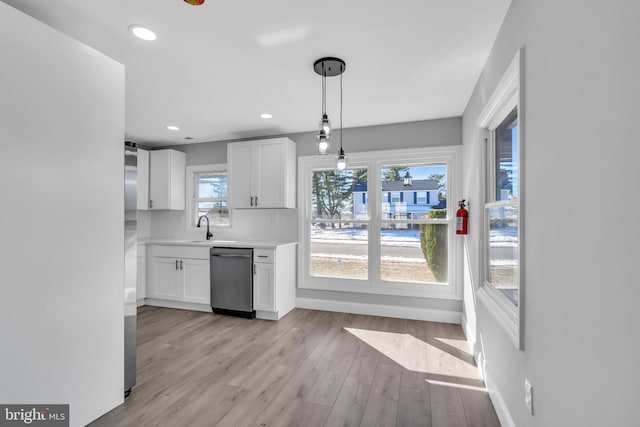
x: 324, y: 91
x: 341, y: 72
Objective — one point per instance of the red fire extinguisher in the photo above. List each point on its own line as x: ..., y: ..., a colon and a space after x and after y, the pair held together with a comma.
x: 462, y: 218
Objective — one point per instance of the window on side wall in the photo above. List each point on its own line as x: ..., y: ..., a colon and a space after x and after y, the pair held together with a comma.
x: 207, y: 195
x: 502, y: 288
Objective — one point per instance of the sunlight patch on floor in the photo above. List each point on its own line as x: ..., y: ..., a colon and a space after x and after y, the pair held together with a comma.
x: 404, y: 349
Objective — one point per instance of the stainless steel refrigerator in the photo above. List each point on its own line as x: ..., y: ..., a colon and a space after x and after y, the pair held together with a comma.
x: 130, y: 264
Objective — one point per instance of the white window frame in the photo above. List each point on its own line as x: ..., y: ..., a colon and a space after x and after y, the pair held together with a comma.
x: 507, y: 96
x: 374, y: 161
x: 191, y: 173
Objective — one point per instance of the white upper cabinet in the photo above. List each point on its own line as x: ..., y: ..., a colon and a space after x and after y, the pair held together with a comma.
x: 262, y: 174
x: 166, y: 180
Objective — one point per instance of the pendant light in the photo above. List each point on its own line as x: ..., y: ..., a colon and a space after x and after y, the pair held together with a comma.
x: 341, y: 159
x: 326, y: 67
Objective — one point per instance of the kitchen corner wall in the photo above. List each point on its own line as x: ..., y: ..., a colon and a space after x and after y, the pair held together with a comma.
x: 282, y: 225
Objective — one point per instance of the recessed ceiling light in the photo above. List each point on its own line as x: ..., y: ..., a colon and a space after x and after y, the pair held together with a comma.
x: 142, y: 33
x: 266, y: 116
x: 173, y: 127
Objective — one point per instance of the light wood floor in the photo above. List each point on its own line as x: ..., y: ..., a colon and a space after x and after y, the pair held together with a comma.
x: 312, y: 368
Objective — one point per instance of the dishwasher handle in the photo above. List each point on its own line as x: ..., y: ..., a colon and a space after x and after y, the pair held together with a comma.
x: 232, y: 255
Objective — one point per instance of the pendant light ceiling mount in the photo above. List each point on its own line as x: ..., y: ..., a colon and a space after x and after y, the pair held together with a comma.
x: 329, y: 66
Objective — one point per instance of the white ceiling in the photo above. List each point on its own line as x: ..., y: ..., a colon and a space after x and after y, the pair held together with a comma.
x: 214, y: 68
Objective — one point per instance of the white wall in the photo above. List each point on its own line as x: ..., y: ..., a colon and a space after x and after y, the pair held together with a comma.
x: 582, y: 86
x: 61, y: 221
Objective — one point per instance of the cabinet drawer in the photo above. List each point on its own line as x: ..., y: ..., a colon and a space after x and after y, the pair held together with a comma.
x: 194, y: 253
x: 263, y: 255
x: 181, y: 252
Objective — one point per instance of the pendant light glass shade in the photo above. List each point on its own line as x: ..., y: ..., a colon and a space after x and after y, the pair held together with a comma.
x: 322, y: 143
x: 341, y: 161
x: 325, y: 124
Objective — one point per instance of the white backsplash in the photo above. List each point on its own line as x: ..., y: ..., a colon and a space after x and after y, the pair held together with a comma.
x: 280, y: 225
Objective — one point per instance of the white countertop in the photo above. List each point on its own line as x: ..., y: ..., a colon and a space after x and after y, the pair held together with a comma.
x: 219, y: 243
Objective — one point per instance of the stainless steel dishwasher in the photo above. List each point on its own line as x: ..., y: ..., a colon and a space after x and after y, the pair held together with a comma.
x: 232, y: 281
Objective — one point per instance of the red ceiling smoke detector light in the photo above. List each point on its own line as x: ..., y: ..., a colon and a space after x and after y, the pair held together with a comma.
x: 194, y: 2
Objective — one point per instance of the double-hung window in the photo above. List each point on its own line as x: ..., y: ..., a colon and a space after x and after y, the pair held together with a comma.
x: 362, y: 230
x: 502, y: 287
x: 207, y: 195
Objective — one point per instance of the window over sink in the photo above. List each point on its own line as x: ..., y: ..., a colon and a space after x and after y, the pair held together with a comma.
x: 207, y: 195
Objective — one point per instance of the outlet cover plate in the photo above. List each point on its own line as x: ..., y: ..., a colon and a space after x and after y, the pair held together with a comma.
x: 528, y: 395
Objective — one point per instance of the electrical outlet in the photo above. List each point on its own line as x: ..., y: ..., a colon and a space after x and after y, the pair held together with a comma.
x: 528, y: 395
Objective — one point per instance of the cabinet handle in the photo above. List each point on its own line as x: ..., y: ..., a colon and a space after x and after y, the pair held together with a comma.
x: 254, y: 269
x: 256, y: 200
x: 251, y: 200
x: 176, y: 264
x: 150, y: 204
x: 181, y: 265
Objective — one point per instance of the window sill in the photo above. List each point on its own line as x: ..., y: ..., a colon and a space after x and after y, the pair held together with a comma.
x: 406, y: 289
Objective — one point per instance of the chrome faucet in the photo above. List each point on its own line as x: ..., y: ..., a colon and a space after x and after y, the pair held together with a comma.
x: 209, y: 234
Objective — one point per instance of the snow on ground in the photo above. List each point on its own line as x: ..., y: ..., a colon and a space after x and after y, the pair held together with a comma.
x: 364, y: 258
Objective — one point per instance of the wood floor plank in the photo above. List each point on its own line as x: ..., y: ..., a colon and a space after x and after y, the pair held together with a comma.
x: 414, y: 407
x: 349, y: 406
x: 382, y: 404
x: 311, y: 368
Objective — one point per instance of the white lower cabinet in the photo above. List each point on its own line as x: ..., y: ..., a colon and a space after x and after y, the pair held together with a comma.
x: 264, y: 292
x: 179, y: 274
x: 195, y: 278
x: 274, y: 286
x: 179, y: 277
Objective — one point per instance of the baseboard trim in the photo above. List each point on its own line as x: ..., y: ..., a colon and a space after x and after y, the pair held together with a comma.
x: 413, y: 313
x: 496, y: 398
x: 470, y: 335
x: 177, y: 304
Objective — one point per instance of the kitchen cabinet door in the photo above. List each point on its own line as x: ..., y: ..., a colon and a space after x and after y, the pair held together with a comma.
x: 270, y: 167
x: 264, y: 287
x: 167, y: 180
x: 262, y: 173
x: 166, y: 284
x: 239, y: 168
x: 195, y: 281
